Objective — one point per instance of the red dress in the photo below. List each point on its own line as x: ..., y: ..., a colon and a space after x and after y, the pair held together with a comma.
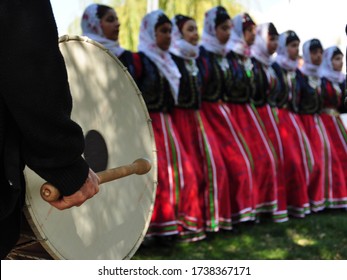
x: 308, y: 102
x: 198, y: 140
x: 238, y: 97
x: 238, y: 161
x: 312, y: 125
x: 176, y: 209
x: 265, y: 84
x: 238, y: 201
x: 335, y: 188
x: 260, y: 147
x: 208, y: 164
x: 297, y: 152
x: 269, y: 118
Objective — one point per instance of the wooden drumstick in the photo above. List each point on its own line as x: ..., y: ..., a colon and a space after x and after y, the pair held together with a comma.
x: 140, y: 166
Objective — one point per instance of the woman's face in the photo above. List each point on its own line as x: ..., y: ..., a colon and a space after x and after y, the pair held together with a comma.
x: 163, y: 36
x: 110, y: 25
x: 223, y: 31
x: 316, y: 56
x: 190, y: 32
x: 249, y: 35
x: 272, y: 43
x: 337, y: 62
x: 293, y: 49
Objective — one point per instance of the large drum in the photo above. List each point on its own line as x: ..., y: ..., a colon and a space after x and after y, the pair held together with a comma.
x: 110, y: 109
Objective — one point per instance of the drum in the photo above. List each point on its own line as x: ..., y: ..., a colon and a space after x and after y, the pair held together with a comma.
x: 109, y: 107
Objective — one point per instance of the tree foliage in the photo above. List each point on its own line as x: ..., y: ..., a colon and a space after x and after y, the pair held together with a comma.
x: 131, y: 12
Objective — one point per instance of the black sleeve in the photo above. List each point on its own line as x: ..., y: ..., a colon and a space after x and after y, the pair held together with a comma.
x: 273, y: 99
x: 298, y: 92
x: 343, y: 109
x: 127, y: 60
x: 34, y: 87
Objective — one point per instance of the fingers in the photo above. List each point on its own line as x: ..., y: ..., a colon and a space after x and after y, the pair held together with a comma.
x: 66, y: 202
x: 87, y: 191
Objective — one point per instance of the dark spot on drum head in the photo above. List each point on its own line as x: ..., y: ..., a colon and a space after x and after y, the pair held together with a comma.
x: 95, y: 152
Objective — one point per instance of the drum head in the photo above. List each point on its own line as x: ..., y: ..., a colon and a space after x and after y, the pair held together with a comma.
x: 110, y: 109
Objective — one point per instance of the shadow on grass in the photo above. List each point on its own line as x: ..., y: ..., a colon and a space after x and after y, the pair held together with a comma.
x: 321, y: 236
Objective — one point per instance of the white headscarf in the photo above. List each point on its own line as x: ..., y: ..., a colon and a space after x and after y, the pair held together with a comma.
x: 237, y: 41
x: 91, y: 28
x: 181, y: 47
x: 208, y: 39
x: 259, y: 49
x: 282, y: 57
x: 162, y: 59
x: 308, y: 68
x: 326, y: 70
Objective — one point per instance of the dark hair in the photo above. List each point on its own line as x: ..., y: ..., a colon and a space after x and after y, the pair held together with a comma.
x: 315, y: 44
x: 180, y: 20
x: 102, y: 10
x: 247, y: 21
x: 272, y: 31
x: 336, y: 52
x: 292, y: 36
x: 161, y: 20
x: 221, y: 16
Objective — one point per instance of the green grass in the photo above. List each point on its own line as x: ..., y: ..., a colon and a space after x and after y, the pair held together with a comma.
x: 320, y: 236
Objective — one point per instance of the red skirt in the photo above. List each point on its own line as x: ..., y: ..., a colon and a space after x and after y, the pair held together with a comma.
x: 238, y: 204
x: 335, y: 189
x: 199, y: 142
x: 270, y: 121
x: 313, y: 129
x: 263, y: 154
x: 176, y: 208
x: 297, y: 162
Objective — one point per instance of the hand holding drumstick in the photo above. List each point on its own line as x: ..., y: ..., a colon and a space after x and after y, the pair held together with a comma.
x: 88, y: 190
x: 91, y: 187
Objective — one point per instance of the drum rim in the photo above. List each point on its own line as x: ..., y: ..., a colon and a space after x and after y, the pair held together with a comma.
x: 30, y: 213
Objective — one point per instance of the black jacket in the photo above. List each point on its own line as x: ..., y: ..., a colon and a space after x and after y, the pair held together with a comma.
x: 35, y: 104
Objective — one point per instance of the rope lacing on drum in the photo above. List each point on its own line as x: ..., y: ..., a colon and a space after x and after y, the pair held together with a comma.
x: 16, y: 253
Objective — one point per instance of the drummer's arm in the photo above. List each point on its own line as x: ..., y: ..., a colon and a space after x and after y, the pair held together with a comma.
x: 88, y: 190
x: 38, y: 98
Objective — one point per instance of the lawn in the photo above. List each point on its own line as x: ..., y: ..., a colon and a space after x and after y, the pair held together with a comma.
x: 319, y: 236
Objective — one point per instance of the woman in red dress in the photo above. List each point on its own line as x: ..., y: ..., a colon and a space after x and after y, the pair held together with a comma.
x: 327, y: 171
x: 265, y: 45
x: 239, y: 91
x: 176, y: 208
x: 193, y: 129
x: 215, y: 71
x: 296, y: 147
x: 333, y: 86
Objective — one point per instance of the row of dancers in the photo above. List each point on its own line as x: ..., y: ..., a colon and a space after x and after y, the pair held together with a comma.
x: 241, y: 130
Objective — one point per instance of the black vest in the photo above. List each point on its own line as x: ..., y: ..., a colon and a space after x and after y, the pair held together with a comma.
x: 310, y: 101
x: 155, y: 88
x: 259, y: 97
x: 190, y: 85
x: 241, y: 87
x: 281, y: 97
x: 215, y: 80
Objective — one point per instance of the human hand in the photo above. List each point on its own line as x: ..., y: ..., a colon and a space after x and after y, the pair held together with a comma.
x: 87, y: 191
